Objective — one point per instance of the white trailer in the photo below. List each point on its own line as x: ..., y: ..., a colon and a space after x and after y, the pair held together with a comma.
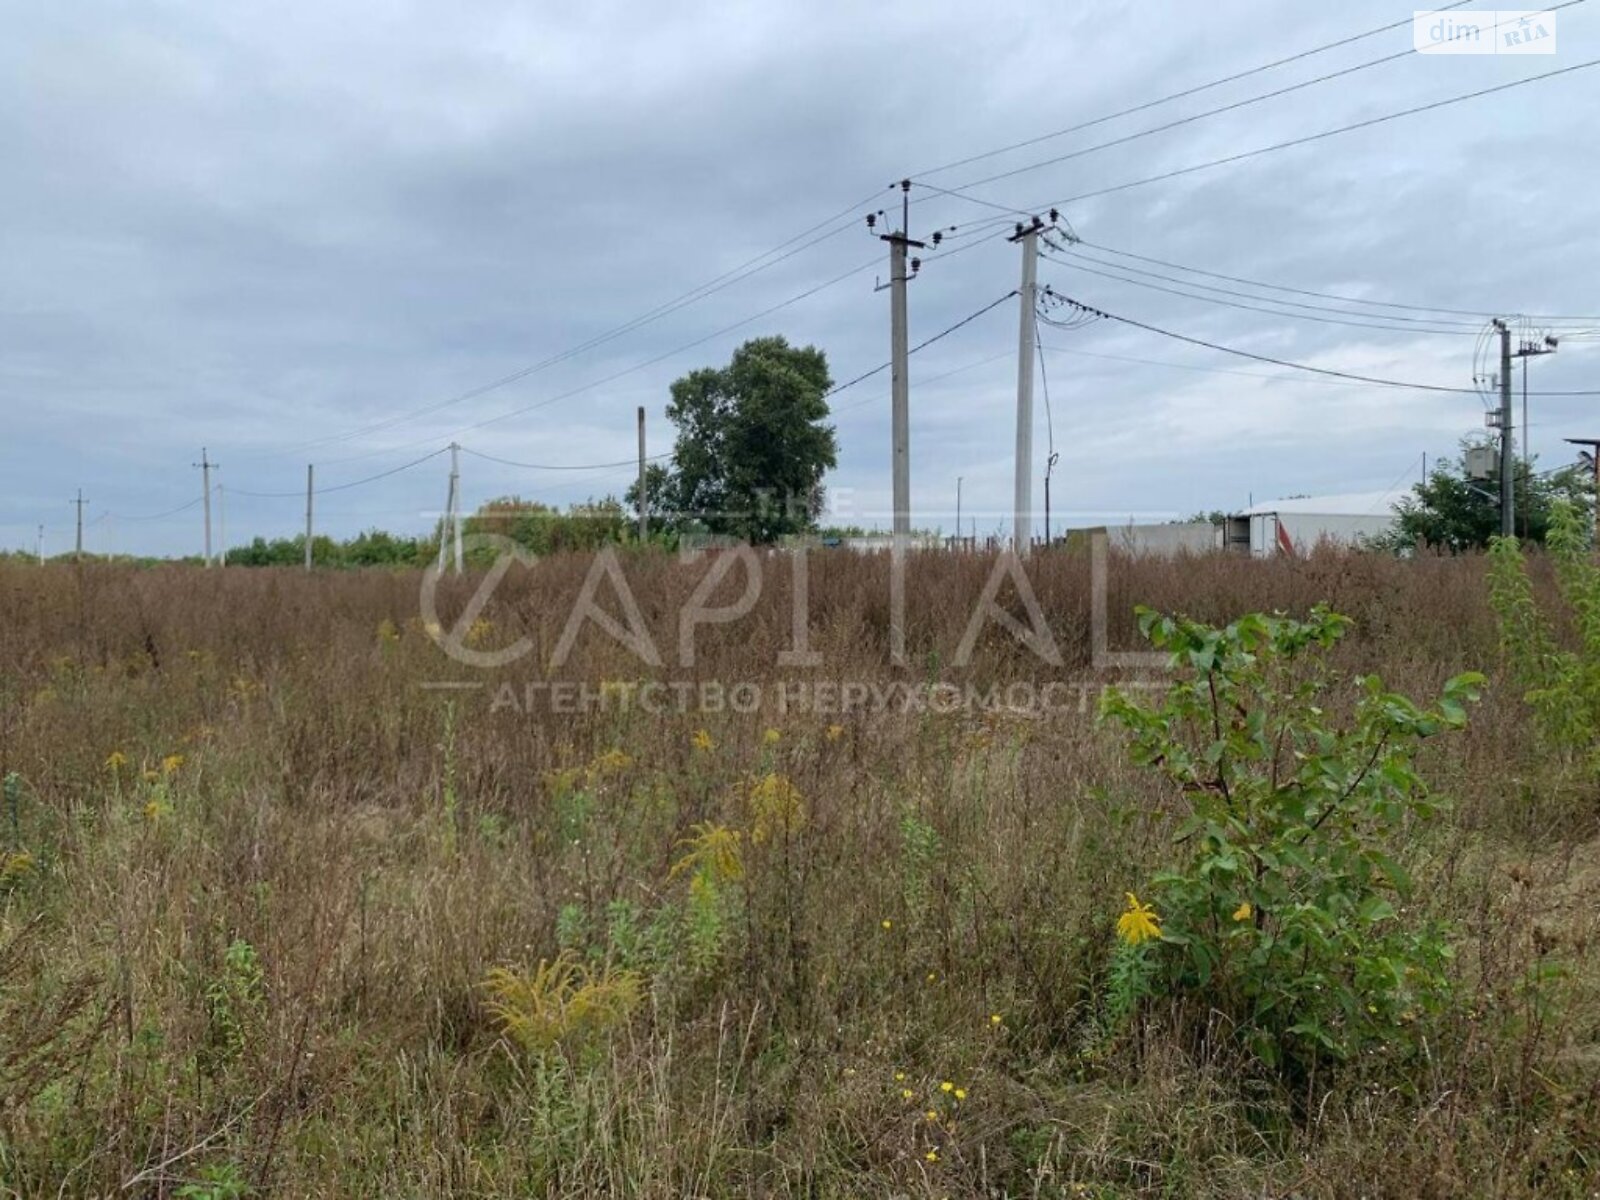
x: 1298, y: 526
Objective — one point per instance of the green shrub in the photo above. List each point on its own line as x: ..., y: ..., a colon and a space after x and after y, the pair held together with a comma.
x: 1284, y: 913
x: 1562, y: 686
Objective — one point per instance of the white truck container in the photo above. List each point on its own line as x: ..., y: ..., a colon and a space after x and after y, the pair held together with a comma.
x: 1298, y: 526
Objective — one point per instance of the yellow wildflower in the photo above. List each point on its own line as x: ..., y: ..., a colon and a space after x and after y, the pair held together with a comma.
x: 771, y: 737
x: 713, y: 853
x: 1244, y: 912
x: 388, y: 632
x: 994, y: 1018
x: 702, y: 740
x: 171, y: 763
x: 478, y: 632
x: 776, y: 806
x: 151, y: 775
x: 947, y: 1086
x: 154, y: 810
x: 1139, y: 924
x: 15, y: 865
x: 961, y: 1093
x: 932, y: 1156
x: 887, y: 924
x: 906, y: 1093
x: 931, y: 1115
x: 835, y: 732
x: 117, y: 760
x: 899, y: 1076
x: 609, y: 763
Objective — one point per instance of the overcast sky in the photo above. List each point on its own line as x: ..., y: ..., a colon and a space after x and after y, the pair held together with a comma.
x: 287, y: 232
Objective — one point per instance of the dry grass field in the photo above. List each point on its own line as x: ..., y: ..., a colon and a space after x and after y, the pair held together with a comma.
x: 278, y: 919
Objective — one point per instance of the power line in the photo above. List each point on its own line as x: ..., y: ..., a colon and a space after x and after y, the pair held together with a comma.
x: 1044, y: 376
x: 882, y: 367
x: 639, y: 366
x: 1195, y: 367
x: 1149, y: 104
x: 1276, y: 312
x: 1313, y: 137
x: 1170, y: 125
x: 776, y: 254
x: 171, y: 512
x: 1277, y: 362
x: 341, y: 487
x: 953, y: 232
x: 1188, y: 120
x: 727, y: 279
x: 1078, y: 256
x: 624, y: 462
x: 1482, y: 315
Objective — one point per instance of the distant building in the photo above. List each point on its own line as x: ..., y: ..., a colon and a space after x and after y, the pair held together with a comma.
x: 1164, y: 540
x: 1298, y: 526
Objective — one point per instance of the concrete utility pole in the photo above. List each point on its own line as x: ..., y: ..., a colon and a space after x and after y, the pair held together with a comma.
x: 222, y: 525
x: 455, y: 500
x: 644, y: 500
x: 1504, y: 423
x: 1530, y: 348
x: 310, y: 491
x: 958, y: 511
x: 205, y: 464
x: 900, y: 389
x: 77, y: 553
x: 1022, y: 526
x: 1594, y: 462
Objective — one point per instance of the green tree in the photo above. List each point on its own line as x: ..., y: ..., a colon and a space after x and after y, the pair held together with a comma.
x: 547, y: 530
x: 752, y: 444
x: 1451, y: 512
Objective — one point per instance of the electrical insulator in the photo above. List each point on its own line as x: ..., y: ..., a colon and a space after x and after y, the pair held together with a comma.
x: 872, y: 220
x: 916, y: 265
x: 937, y: 237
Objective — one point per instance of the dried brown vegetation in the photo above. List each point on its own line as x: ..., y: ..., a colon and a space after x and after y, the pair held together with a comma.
x: 270, y: 874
